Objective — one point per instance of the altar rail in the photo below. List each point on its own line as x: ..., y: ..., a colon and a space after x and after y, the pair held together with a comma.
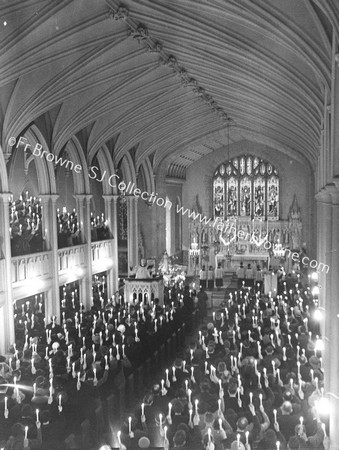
x: 31, y: 266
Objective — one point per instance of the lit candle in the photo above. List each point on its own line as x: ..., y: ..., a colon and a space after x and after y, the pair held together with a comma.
x: 37, y: 415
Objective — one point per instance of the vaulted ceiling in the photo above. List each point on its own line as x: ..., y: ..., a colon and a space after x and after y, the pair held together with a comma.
x: 170, y: 79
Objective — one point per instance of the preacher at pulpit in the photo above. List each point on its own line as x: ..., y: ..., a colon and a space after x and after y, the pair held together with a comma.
x: 142, y: 272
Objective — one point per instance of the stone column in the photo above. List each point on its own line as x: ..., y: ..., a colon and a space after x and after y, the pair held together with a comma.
x: 7, y: 333
x: 332, y: 324
x: 50, y: 231
x: 83, y: 208
x: 111, y: 216
x: 132, y: 231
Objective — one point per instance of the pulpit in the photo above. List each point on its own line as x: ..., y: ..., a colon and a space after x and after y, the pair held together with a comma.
x: 144, y: 289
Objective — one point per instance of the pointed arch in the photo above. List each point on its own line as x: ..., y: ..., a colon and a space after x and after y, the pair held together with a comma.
x: 45, y: 169
x: 105, y: 163
x: 148, y: 175
x: 127, y: 168
x: 77, y: 156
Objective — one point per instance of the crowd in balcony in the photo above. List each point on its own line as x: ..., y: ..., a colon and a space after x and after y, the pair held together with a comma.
x: 26, y: 230
x: 68, y: 228
x: 99, y: 228
x: 25, y: 225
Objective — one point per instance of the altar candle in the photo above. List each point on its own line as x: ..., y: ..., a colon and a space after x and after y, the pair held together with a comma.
x: 160, y: 420
x: 26, y: 432
x: 196, y: 406
x: 275, y: 415
x: 119, y: 439
x: 301, y: 420
x: 60, y: 397
x: 260, y: 398
x: 6, y: 404
x: 169, y: 408
x: 278, y: 445
x: 37, y: 415
x: 142, y: 409
x: 251, y: 397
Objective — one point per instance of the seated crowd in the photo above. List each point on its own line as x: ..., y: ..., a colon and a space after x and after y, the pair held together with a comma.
x: 252, y: 379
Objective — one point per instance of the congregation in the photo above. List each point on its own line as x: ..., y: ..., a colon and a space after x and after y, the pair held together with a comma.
x: 250, y: 378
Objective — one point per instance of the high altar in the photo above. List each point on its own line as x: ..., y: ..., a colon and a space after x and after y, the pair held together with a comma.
x: 146, y: 289
x: 242, y: 239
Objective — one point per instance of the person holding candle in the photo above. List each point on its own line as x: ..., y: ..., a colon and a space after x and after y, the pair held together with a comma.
x: 287, y: 420
x: 20, y: 440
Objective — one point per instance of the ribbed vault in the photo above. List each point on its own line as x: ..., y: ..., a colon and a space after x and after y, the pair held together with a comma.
x: 167, y: 78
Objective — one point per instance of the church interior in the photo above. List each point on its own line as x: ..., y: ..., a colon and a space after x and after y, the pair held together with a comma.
x: 169, y: 224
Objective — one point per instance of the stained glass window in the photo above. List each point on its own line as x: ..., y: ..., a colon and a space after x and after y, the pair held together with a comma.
x: 219, y: 197
x: 246, y: 186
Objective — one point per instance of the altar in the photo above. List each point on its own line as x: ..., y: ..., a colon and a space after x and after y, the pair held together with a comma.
x: 144, y: 289
x: 254, y: 259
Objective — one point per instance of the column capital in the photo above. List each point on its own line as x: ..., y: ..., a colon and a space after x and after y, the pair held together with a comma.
x: 329, y: 192
x: 5, y: 196
x: 53, y: 197
x: 83, y: 197
x: 109, y: 196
